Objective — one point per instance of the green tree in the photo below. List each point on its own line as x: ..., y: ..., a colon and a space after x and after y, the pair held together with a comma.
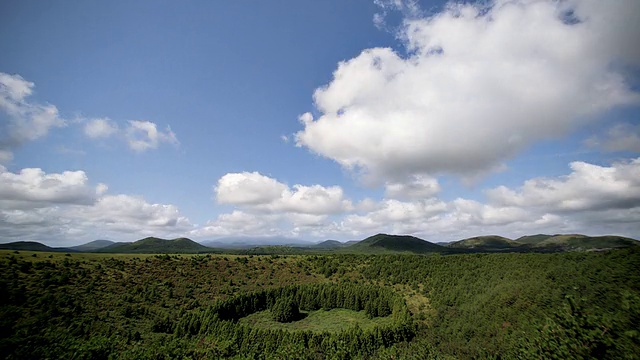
x: 285, y: 310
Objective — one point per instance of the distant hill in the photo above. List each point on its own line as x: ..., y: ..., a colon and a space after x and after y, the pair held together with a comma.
x: 32, y: 246
x: 577, y: 242
x: 395, y: 243
x: 153, y: 245
x: 328, y: 244
x: 247, y: 242
x: 271, y: 250
x: 485, y: 243
x: 533, y: 239
x: 93, y: 245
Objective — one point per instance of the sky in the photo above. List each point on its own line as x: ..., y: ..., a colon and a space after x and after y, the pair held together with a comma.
x: 318, y: 120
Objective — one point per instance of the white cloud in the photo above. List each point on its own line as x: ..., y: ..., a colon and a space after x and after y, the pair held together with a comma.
x: 26, y: 121
x: 591, y: 199
x: 139, y: 135
x: 134, y: 213
x: 64, y: 208
x: 419, y: 187
x: 395, y: 216
x: 262, y: 193
x: 32, y: 187
x: 269, y: 207
x: 466, y: 212
x: 248, y: 189
x: 315, y: 199
x: 620, y: 137
x: 480, y: 83
x: 588, y: 187
x: 144, y: 135
x: 240, y: 223
x: 14, y: 89
x: 100, y: 128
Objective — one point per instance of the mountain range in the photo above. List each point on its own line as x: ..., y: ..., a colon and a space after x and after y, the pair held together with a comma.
x: 380, y: 243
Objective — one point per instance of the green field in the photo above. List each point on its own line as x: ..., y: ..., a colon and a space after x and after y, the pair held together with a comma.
x: 333, y: 320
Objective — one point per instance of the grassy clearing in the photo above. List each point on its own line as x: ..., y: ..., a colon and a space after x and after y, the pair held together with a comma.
x: 333, y: 320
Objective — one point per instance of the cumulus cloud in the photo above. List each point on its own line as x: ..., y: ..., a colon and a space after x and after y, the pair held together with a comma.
x: 479, y: 83
x: 398, y: 216
x: 269, y: 207
x: 262, y: 193
x: 32, y: 187
x: 144, y: 135
x: 591, y: 199
x: 248, y: 189
x: 25, y: 121
x: 134, y: 213
x: 620, y: 137
x: 100, y: 128
x: 63, y: 208
x: 587, y: 187
x: 240, y: 223
x: 418, y: 187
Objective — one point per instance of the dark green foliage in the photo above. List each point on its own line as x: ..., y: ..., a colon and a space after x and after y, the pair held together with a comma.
x: 582, y: 243
x: 30, y: 246
x: 396, y: 243
x: 520, y: 306
x: 285, y: 310
x: 153, y: 245
x: 487, y: 243
x: 533, y: 239
x: 92, y: 245
x: 328, y: 244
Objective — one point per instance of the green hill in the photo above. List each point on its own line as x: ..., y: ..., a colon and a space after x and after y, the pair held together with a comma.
x: 93, y: 245
x: 485, y: 243
x: 577, y: 242
x: 270, y: 250
x: 153, y: 245
x: 395, y: 243
x: 328, y: 244
x: 533, y: 239
x: 31, y: 246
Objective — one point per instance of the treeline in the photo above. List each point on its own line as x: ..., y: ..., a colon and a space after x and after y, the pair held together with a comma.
x: 220, y: 322
x: 374, y: 300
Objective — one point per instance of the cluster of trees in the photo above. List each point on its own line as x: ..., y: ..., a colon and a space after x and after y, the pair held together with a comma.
x: 285, y: 310
x: 374, y: 300
x: 220, y: 321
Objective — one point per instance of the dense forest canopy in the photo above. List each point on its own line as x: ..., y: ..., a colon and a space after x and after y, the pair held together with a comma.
x: 511, y: 305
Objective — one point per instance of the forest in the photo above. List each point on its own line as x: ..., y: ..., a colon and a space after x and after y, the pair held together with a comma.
x: 568, y: 305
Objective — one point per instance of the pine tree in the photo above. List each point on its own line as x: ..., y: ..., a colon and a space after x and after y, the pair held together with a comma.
x: 285, y: 310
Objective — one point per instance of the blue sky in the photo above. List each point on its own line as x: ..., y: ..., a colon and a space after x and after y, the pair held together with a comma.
x: 317, y: 120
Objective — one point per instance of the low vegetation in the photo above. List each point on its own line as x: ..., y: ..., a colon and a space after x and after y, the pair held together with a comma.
x: 318, y: 321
